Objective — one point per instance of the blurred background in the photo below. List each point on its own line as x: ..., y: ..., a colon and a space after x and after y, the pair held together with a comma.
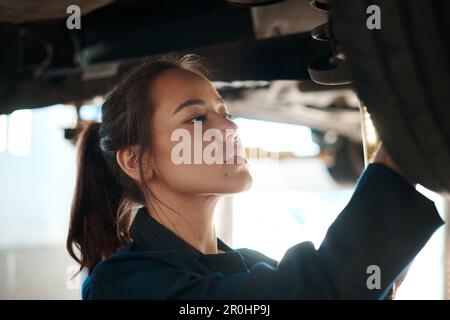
x: 294, y: 198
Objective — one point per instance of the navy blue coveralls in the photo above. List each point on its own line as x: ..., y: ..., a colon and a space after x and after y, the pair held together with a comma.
x: 386, y: 223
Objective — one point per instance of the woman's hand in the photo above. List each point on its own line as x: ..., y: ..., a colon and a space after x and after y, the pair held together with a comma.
x: 382, y: 156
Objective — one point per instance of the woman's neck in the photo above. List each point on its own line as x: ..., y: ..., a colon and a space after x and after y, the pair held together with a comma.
x: 191, y: 219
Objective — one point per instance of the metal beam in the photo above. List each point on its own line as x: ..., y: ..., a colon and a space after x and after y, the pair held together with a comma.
x: 270, y: 59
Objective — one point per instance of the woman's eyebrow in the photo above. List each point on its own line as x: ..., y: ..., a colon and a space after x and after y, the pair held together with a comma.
x: 189, y: 103
x: 192, y: 102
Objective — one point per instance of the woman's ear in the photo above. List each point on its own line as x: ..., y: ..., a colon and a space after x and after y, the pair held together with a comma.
x: 128, y: 160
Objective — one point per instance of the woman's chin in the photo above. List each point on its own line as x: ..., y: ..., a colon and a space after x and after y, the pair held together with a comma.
x: 238, y: 182
x: 225, y: 183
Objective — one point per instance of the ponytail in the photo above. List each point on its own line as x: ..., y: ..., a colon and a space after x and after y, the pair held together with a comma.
x: 95, y: 205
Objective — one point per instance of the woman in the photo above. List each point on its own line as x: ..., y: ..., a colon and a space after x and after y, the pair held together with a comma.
x: 170, y: 249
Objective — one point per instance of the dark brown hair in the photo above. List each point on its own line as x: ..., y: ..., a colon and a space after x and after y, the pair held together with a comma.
x: 104, y: 194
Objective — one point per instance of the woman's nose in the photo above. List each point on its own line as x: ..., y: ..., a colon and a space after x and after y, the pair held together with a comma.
x: 229, y: 130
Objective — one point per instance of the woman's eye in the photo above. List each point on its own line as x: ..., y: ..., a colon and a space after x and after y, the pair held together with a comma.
x: 198, y: 119
x: 229, y: 116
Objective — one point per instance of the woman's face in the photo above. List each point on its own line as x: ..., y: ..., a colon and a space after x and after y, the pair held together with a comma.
x: 195, y: 146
